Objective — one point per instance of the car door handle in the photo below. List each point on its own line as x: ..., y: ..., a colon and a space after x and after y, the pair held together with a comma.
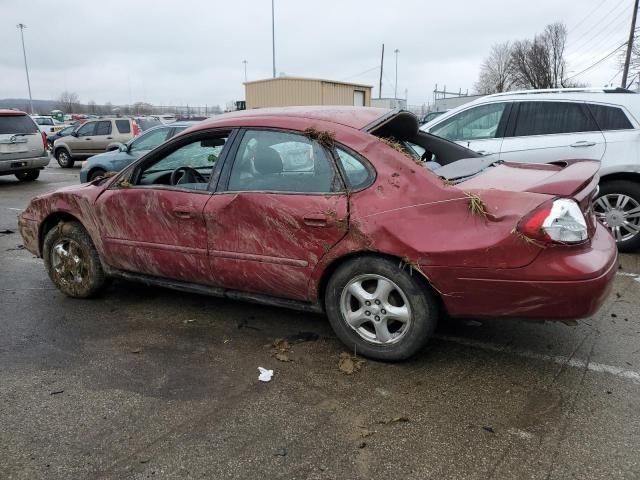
x: 484, y: 152
x: 183, y: 212
x: 315, y: 220
x: 87, y: 139
x: 109, y: 138
x: 582, y: 143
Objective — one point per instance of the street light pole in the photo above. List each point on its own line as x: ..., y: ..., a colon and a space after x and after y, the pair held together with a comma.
x: 22, y: 26
x: 396, y: 51
x: 245, y: 70
x: 273, y: 36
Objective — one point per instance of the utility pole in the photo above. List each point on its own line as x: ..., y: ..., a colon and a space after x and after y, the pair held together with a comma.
x: 273, y: 36
x: 395, y: 95
x: 381, y: 68
x: 627, y: 59
x: 22, y: 26
x: 245, y: 70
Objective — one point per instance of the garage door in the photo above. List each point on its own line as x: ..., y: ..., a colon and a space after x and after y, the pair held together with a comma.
x: 358, y: 98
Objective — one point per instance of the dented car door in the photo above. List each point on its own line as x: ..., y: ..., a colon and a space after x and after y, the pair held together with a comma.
x: 279, y: 209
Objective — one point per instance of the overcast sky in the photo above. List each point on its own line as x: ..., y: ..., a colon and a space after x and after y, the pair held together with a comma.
x: 179, y: 52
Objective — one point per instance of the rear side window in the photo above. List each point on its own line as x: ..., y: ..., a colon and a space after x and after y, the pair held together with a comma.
x: 610, y: 118
x: 546, y: 118
x: 357, y: 174
x: 123, y: 126
x: 103, y: 128
x: 473, y: 124
x: 12, y: 124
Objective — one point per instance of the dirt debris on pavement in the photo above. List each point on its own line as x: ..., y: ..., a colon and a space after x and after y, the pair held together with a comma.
x: 349, y: 364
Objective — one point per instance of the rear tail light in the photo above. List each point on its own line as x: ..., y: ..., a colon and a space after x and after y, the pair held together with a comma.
x: 44, y: 141
x: 136, y: 128
x: 559, y: 221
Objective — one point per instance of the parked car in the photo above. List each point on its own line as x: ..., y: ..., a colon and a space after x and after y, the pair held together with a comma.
x: 166, y: 118
x: 93, y: 137
x: 553, y: 125
x: 145, y: 123
x: 117, y: 159
x: 48, y: 125
x: 365, y: 233
x: 23, y: 147
x: 59, y: 134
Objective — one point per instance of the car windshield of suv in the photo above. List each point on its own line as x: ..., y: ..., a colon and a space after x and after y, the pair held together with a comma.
x: 17, y: 124
x: 44, y: 121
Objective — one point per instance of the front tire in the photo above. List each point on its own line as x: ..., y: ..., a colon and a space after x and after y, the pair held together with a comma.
x: 28, y: 176
x: 72, y: 261
x: 618, y: 208
x: 64, y: 158
x: 381, y: 308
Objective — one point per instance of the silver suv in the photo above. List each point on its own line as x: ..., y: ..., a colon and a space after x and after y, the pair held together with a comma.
x: 544, y: 126
x: 23, y: 147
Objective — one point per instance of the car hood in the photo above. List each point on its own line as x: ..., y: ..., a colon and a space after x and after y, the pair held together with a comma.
x: 566, y: 178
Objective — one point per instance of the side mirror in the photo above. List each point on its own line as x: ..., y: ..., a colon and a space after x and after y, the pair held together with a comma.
x: 123, y: 147
x: 74, y: 134
x: 116, y: 146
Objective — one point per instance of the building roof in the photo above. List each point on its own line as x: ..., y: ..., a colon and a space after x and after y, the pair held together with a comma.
x: 354, y: 117
x: 305, y: 79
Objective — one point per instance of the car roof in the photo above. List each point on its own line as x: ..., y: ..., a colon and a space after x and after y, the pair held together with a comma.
x: 354, y: 117
x: 9, y: 112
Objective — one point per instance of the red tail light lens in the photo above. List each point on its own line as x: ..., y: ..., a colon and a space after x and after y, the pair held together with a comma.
x: 136, y: 128
x: 559, y: 220
x: 44, y: 141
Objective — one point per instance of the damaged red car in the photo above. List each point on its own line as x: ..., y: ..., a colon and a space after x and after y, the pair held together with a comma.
x: 349, y: 211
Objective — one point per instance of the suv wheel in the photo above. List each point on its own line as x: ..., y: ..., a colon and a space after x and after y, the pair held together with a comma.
x: 618, y: 208
x: 380, y: 309
x: 28, y: 176
x: 64, y: 159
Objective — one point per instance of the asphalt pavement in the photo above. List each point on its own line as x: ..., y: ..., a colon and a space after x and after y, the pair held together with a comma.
x: 149, y: 383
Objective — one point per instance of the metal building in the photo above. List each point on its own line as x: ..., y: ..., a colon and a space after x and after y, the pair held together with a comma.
x: 293, y: 91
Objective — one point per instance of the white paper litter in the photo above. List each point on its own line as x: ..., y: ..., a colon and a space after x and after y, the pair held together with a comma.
x: 265, y: 375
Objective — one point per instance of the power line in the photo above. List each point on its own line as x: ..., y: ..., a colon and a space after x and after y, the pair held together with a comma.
x: 599, y: 61
x: 603, y: 29
x: 377, y: 67
x: 586, y: 57
x: 587, y: 15
x: 601, y: 20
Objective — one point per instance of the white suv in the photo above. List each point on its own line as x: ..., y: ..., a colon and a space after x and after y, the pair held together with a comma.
x: 552, y: 125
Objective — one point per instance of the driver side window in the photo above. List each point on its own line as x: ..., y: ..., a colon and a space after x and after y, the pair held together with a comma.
x: 188, y: 167
x: 473, y: 124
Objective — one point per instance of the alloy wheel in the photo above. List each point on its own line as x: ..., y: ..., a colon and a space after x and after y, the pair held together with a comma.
x: 376, y: 308
x: 619, y: 213
x: 69, y: 262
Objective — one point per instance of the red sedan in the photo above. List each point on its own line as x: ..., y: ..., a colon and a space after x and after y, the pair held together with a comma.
x: 350, y: 211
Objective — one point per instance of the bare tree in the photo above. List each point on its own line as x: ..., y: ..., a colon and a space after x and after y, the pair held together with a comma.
x: 634, y: 63
x: 541, y: 63
x: 69, y: 102
x: 496, y: 73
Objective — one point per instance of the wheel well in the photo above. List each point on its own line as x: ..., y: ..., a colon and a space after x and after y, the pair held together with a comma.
x: 94, y: 169
x: 50, y: 222
x: 633, y: 176
x: 333, y: 266
x: 57, y: 149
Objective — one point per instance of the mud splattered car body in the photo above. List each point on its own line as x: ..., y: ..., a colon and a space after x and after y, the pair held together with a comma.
x: 282, y: 247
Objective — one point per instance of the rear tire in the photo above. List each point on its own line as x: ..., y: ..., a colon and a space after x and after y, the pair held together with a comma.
x: 64, y: 158
x: 28, y: 176
x: 98, y: 172
x: 72, y: 261
x: 618, y: 208
x: 392, y: 312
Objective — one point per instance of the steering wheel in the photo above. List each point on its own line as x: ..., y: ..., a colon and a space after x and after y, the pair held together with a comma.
x: 189, y: 175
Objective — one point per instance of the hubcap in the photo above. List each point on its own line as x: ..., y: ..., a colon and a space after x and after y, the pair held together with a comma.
x: 68, y: 262
x: 376, y: 309
x: 619, y: 213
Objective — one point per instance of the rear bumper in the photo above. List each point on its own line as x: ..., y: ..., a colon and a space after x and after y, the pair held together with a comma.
x: 560, y: 284
x: 8, y: 167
